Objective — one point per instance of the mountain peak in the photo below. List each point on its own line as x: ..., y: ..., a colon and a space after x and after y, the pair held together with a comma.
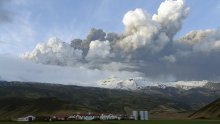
x: 140, y: 82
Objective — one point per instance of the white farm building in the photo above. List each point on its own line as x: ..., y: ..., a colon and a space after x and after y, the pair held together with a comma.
x: 27, y: 118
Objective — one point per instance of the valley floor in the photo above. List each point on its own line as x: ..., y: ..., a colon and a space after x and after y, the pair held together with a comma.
x: 124, y: 122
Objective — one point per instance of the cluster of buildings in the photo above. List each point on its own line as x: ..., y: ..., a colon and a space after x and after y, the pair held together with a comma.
x: 86, y: 117
x: 136, y: 115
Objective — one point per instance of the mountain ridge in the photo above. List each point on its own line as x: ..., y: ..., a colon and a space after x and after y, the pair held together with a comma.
x: 95, y: 99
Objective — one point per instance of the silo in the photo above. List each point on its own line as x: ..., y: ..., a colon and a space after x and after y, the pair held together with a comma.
x: 145, y: 115
x: 135, y: 115
x: 142, y: 116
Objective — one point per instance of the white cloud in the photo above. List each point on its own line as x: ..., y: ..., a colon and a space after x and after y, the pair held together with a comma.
x: 152, y: 33
x: 55, y: 52
x: 99, y: 50
x: 139, y: 30
x: 170, y: 15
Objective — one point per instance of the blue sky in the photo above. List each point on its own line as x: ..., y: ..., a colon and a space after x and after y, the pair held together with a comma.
x: 26, y: 23
x: 35, y: 21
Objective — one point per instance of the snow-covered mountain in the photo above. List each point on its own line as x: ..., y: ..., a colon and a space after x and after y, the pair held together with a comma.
x: 139, y: 83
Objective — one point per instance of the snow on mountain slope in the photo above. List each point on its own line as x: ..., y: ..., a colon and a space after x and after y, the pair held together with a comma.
x: 138, y: 83
x: 117, y: 83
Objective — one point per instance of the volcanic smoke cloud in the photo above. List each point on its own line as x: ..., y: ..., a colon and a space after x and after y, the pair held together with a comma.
x: 54, y: 52
x: 146, y: 46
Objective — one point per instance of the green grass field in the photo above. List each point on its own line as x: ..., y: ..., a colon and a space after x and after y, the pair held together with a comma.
x: 125, y: 122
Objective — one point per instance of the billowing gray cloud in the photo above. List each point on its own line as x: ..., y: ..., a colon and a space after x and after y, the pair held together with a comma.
x: 201, y: 41
x: 96, y: 34
x: 194, y: 37
x: 197, y: 55
x: 146, y: 46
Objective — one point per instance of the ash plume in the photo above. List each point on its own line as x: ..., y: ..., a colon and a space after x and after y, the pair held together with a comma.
x: 147, y: 46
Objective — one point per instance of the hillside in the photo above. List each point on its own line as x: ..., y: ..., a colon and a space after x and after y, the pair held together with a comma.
x: 15, y: 107
x: 72, y: 98
x: 98, y: 99
x: 210, y: 111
